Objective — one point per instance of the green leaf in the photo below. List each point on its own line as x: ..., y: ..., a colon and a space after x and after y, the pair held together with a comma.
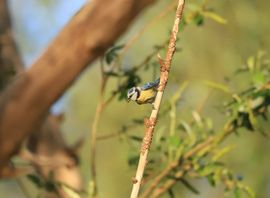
x: 258, y: 78
x: 50, y: 186
x: 218, y: 86
x: 138, y: 120
x: 182, y: 24
x: 251, y: 63
x: 179, y: 92
x: 209, y: 169
x: 237, y: 193
x: 70, y: 192
x: 111, y: 53
x: 171, y: 193
x: 198, y: 19
x: 174, y: 141
x: 135, y: 138
x: 133, y: 160
x: 36, y: 180
x: 246, y: 189
x: 215, y: 17
x: 222, y: 152
x: 189, y: 186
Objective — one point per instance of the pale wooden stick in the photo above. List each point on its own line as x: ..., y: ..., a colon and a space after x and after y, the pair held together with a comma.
x: 151, y: 122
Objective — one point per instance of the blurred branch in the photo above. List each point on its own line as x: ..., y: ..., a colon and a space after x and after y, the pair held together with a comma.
x: 46, y: 143
x: 93, y: 133
x: 151, y: 122
x: 10, y: 61
x: 40, y: 86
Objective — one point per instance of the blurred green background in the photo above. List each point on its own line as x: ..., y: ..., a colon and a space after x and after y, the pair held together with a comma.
x: 209, y: 52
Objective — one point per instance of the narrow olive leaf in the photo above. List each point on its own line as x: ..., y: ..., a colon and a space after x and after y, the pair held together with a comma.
x: 258, y: 78
x: 246, y: 189
x: 135, y: 138
x: 251, y: 63
x: 211, y: 180
x: 218, y: 86
x: 36, y: 180
x: 189, y: 131
x: 112, y: 53
x: 209, y: 169
x: 138, y: 120
x: 174, y: 141
x: 222, y: 152
x: 171, y: 193
x: 198, y: 19
x: 133, y: 160
x: 179, y: 92
x: 70, y: 192
x: 214, y: 16
x: 237, y: 193
x: 197, y: 118
x: 189, y: 186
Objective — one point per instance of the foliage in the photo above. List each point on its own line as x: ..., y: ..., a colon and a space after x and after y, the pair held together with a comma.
x: 189, y: 149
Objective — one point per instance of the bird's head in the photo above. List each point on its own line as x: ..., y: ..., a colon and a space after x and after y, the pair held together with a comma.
x: 133, y: 93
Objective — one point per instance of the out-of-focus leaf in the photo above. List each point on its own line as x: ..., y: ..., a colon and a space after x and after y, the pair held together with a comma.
x: 251, y: 63
x: 197, y: 118
x: 211, y: 180
x: 189, y: 186
x: 113, y: 74
x: 70, y: 192
x: 135, y: 138
x: 258, y: 78
x: 138, y: 121
x: 189, y: 131
x: 133, y: 160
x: 198, y: 19
x: 111, y: 53
x: 171, y: 193
x: 50, y: 186
x: 209, y: 169
x: 218, y: 86
x: 247, y: 190
x: 182, y: 24
x: 237, y: 193
x: 36, y: 180
x: 174, y: 141
x: 179, y: 92
x: 222, y: 152
x: 214, y: 16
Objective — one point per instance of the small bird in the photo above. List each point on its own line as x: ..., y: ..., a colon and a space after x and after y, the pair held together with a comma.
x: 144, y: 94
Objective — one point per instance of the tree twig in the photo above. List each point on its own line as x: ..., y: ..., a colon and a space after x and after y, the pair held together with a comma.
x: 151, y: 122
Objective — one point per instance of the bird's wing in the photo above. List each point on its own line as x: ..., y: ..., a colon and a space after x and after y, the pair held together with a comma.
x: 150, y: 85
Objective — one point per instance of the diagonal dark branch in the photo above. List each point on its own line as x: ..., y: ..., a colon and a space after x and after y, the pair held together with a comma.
x: 84, y: 38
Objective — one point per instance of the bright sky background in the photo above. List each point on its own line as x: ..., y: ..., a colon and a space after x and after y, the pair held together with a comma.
x: 39, y: 22
x: 36, y: 23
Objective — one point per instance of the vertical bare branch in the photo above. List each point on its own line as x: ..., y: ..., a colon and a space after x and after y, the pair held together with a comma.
x: 151, y: 122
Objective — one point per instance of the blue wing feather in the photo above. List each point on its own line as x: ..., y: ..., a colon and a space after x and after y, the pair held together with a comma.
x: 150, y: 85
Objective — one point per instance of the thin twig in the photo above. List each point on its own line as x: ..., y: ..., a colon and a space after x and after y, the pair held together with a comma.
x: 209, y: 143
x: 99, y: 109
x: 151, y: 122
x: 157, y: 18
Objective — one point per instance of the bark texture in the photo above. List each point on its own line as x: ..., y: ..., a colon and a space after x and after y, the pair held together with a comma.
x: 26, y: 102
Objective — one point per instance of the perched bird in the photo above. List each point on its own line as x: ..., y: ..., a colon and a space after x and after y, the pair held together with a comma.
x: 144, y: 94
